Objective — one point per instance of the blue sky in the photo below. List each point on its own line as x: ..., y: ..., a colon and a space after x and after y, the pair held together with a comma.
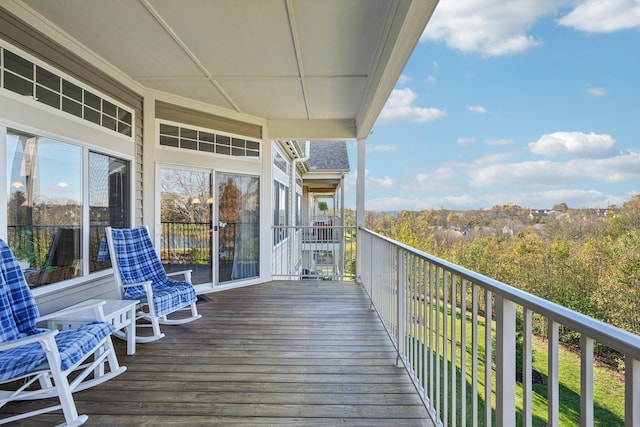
x: 527, y: 102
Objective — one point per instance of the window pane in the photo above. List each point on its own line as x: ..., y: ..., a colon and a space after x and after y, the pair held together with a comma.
x: 47, y: 97
x: 109, y: 122
x: 18, y: 65
x: 48, y: 79
x: 17, y: 84
x: 186, y: 202
x: 92, y: 101
x: 109, y: 108
x: 108, y: 201
x: 169, y: 141
x: 72, y: 107
x: 72, y: 91
x: 91, y: 115
x: 44, y: 210
x: 239, y: 239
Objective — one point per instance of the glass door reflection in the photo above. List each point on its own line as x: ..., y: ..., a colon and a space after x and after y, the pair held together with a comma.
x: 186, y: 206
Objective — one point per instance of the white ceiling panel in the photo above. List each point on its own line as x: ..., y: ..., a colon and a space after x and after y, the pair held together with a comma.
x: 201, y: 90
x: 273, y: 98
x: 340, y: 37
x: 304, y: 62
x: 121, y: 31
x: 344, y: 94
x: 258, y: 32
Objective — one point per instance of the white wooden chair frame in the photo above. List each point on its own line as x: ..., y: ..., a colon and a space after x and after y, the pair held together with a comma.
x: 52, y: 381
x: 150, y: 316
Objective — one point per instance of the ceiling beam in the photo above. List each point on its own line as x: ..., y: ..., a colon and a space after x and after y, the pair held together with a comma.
x: 311, y: 129
x: 167, y: 28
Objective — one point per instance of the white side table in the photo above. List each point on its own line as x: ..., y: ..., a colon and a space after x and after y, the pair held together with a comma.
x: 120, y: 313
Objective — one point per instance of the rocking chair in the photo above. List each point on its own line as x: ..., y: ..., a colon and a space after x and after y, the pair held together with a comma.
x: 140, y: 276
x: 36, y: 363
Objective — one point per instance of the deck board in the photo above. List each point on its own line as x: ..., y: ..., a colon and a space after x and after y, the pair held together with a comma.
x: 306, y: 353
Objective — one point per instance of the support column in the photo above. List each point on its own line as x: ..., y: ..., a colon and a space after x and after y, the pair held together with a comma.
x: 360, y: 183
x: 360, y: 204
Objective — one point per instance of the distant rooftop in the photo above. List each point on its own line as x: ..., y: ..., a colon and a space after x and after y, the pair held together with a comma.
x: 328, y: 155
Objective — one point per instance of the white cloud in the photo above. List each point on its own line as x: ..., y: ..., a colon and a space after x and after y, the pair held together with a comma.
x: 598, y: 16
x: 492, y: 158
x: 403, y: 79
x: 384, y: 182
x: 370, y: 182
x: 441, y: 179
x: 620, y: 168
x: 488, y: 27
x: 431, y: 79
x: 536, y: 200
x: 577, y: 144
x: 420, y: 202
x: 400, y: 108
x: 465, y: 141
x: 595, y: 90
x: 385, y: 147
x: 478, y: 109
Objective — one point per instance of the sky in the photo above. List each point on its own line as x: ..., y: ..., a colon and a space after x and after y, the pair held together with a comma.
x: 524, y: 102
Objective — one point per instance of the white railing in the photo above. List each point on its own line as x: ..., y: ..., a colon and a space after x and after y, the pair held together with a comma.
x: 321, y: 251
x: 435, y: 312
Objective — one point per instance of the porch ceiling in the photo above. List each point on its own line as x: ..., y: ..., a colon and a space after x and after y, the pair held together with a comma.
x: 312, y: 69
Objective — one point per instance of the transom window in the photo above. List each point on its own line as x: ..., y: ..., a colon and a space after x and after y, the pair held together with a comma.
x: 24, y: 77
x: 208, y: 142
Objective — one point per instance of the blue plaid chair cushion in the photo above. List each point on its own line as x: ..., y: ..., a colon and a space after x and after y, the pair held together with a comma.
x: 18, y: 316
x: 18, y: 309
x: 73, y: 345
x: 139, y: 262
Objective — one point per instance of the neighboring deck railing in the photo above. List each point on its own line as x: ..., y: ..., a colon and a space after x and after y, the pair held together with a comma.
x: 321, y: 251
x: 434, y: 311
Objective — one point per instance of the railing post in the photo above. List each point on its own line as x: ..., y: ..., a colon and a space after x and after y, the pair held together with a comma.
x: 505, y: 362
x: 400, y: 308
x: 632, y: 392
x: 553, y: 387
x: 586, y: 381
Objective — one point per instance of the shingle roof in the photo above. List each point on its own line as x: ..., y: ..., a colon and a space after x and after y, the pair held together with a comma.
x: 328, y: 155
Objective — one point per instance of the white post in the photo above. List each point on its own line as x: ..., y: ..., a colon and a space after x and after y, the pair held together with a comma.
x: 631, y: 393
x: 505, y: 362
x: 586, y: 381
x: 400, y: 313
x: 360, y: 208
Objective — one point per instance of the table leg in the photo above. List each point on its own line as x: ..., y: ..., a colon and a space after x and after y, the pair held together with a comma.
x: 131, y: 332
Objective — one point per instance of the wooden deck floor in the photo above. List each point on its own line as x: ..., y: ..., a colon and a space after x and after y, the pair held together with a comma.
x: 281, y: 353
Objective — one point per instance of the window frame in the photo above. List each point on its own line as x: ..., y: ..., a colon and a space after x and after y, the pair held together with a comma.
x: 86, y: 148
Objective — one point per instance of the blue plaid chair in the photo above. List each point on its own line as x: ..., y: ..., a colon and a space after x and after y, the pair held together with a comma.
x: 140, y: 276
x: 36, y: 363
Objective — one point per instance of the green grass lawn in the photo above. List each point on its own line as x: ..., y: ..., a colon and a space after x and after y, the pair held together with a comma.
x: 608, y: 385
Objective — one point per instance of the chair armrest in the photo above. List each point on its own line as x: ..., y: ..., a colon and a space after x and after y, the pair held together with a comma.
x: 70, y: 311
x: 185, y: 273
x: 148, y: 289
x: 28, y: 340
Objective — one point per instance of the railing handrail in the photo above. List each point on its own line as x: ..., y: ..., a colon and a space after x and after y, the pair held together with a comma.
x: 609, y: 335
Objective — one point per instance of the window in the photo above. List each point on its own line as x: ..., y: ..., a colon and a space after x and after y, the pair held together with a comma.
x: 280, y: 211
x: 46, y: 205
x: 24, y: 77
x: 208, y: 142
x: 109, y: 202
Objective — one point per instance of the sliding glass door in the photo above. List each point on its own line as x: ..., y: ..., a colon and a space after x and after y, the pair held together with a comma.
x: 191, y: 233
x: 238, y: 227
x: 186, y: 207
